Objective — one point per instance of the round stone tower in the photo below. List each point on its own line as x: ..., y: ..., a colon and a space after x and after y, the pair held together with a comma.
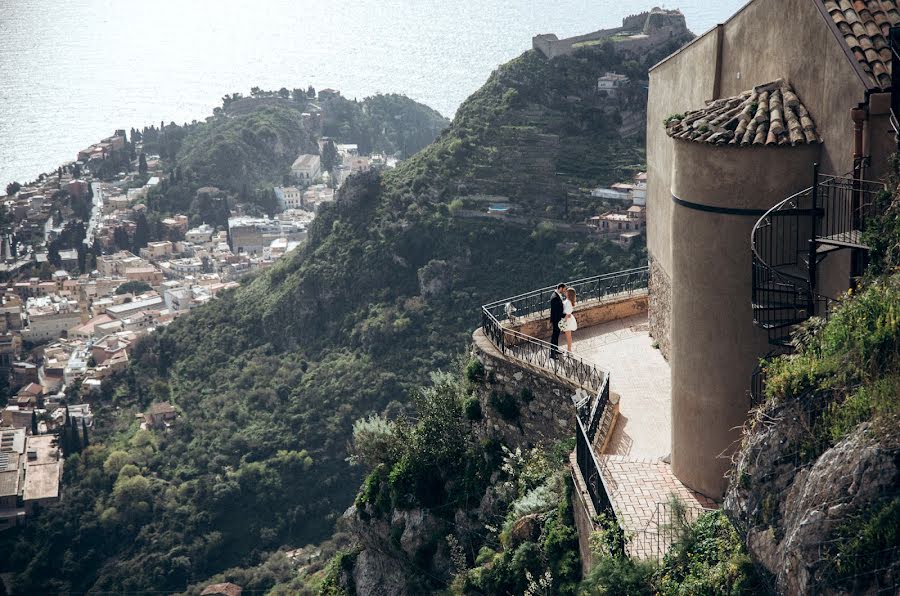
x: 732, y: 161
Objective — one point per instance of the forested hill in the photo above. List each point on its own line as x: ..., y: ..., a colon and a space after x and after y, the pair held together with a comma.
x: 269, y: 379
x: 250, y: 143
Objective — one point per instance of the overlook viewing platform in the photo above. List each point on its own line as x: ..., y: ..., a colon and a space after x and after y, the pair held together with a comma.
x: 620, y: 389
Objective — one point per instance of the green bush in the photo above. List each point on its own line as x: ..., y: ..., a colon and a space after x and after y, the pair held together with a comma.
x: 866, y: 541
x: 619, y: 576
x: 472, y: 409
x: 505, y: 405
x: 373, y: 493
x: 848, y: 366
x: 709, y: 559
x: 475, y: 370
x: 337, y: 574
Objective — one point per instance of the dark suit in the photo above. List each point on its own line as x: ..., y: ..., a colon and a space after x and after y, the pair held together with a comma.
x: 556, y: 315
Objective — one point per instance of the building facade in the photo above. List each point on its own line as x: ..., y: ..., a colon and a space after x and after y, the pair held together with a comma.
x: 749, y: 108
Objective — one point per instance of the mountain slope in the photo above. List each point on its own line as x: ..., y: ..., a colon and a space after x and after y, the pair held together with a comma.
x: 270, y: 378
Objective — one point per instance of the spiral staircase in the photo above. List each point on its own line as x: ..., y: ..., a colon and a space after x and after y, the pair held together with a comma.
x: 789, y: 244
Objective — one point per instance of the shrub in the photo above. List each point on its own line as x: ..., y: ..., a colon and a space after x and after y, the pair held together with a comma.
x: 337, y: 575
x: 867, y: 542
x: 709, y: 559
x: 373, y: 493
x: 619, y: 576
x: 672, y: 118
x: 474, y: 370
x: 472, y: 409
x: 375, y: 442
x: 845, y: 368
x: 505, y: 405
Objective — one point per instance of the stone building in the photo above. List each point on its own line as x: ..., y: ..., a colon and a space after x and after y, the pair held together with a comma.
x: 306, y: 168
x: 638, y: 32
x: 748, y: 108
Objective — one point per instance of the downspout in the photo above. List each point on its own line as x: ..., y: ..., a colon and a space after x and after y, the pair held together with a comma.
x: 720, y: 44
x: 860, y: 116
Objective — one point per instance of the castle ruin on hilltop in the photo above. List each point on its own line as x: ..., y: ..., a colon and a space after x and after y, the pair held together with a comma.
x: 637, y: 32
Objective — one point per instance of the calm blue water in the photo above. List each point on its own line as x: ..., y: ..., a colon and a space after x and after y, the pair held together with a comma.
x: 73, y: 71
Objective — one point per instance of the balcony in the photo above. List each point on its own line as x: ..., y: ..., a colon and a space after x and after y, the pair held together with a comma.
x: 621, y: 401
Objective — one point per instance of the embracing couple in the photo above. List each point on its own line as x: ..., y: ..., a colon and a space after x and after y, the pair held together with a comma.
x: 562, y: 303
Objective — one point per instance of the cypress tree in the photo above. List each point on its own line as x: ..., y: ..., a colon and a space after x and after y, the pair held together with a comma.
x: 84, y: 434
x: 64, y: 439
x: 34, y: 423
x: 74, y: 439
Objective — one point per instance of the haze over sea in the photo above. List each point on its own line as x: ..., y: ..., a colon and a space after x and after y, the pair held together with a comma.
x: 72, y: 72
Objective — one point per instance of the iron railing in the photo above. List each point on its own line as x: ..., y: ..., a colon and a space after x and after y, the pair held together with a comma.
x: 787, y: 245
x: 590, y: 469
x: 593, y: 414
x: 536, y: 352
x: 598, y: 287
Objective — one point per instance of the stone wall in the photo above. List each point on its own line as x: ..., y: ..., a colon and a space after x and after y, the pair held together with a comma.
x: 660, y: 312
x: 543, y: 409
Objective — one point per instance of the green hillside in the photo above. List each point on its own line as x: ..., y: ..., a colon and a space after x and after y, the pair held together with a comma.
x: 270, y: 378
x: 257, y: 148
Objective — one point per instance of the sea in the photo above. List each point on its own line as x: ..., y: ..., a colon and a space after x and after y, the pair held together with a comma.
x: 73, y: 71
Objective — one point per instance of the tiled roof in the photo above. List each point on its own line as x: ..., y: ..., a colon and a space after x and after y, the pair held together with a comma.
x: 866, y: 25
x: 770, y: 114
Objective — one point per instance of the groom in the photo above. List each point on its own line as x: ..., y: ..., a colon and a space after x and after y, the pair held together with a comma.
x: 556, y: 315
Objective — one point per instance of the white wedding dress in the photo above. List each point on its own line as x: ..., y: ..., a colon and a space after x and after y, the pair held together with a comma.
x: 571, y: 323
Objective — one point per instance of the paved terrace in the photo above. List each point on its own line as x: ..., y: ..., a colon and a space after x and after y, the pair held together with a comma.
x: 634, y: 462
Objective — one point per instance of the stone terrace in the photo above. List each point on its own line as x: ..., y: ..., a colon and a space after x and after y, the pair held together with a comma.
x: 634, y: 466
x: 637, y: 478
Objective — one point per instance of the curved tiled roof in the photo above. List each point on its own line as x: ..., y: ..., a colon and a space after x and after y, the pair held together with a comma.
x: 866, y: 26
x: 766, y: 115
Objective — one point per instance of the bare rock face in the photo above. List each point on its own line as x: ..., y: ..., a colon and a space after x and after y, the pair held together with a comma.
x: 375, y: 574
x: 392, y: 551
x: 788, y: 509
x: 526, y: 528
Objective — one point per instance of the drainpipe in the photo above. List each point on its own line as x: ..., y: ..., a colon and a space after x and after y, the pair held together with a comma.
x: 859, y: 115
x: 720, y: 44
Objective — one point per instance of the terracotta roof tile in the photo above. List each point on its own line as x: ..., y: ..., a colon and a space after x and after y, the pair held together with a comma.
x: 866, y: 26
x: 770, y: 114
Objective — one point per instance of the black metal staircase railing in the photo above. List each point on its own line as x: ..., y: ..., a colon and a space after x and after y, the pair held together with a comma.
x: 789, y: 243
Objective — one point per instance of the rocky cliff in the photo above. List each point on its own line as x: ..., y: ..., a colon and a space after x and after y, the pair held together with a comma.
x: 814, y: 489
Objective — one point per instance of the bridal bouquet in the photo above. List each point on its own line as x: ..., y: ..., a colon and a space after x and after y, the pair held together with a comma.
x: 564, y: 324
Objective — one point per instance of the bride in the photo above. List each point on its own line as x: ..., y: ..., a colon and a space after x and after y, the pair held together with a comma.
x: 570, y: 323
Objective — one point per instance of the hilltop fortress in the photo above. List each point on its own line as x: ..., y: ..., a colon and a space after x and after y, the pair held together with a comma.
x: 636, y: 33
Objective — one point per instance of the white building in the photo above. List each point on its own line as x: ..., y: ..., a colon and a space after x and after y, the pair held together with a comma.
x: 253, y: 235
x: 611, y: 83
x: 50, y: 317
x: 144, y: 302
x: 199, y: 235
x: 289, y: 197
x: 307, y: 168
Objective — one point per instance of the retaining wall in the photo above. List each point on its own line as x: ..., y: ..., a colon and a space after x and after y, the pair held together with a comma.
x: 544, y: 413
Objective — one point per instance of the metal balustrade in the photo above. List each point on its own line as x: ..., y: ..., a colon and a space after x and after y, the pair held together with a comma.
x: 793, y: 238
x: 790, y: 241
x: 591, y: 401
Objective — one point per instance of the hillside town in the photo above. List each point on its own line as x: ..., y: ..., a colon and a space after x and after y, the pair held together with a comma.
x: 85, y: 278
